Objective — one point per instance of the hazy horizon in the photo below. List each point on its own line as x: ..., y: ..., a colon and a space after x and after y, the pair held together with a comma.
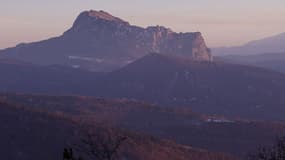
x: 91, y: 86
x: 223, y: 23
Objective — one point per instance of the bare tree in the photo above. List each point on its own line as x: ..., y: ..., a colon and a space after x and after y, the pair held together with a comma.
x: 100, y: 143
x: 68, y: 154
x: 275, y: 152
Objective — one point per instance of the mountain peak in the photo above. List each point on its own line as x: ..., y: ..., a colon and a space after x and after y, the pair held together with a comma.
x: 99, y: 41
x: 93, y: 16
x: 104, y: 15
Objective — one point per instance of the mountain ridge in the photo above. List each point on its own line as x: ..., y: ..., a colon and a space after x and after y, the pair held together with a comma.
x: 271, y: 44
x: 272, y: 61
x: 98, y: 41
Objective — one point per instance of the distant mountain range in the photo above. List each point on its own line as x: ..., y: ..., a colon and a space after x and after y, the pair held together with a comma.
x: 273, y: 61
x: 267, y: 53
x: 274, y: 44
x: 207, y: 87
x: 98, y: 41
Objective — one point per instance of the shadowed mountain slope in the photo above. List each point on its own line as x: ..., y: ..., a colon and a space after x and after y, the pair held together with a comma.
x: 212, y: 88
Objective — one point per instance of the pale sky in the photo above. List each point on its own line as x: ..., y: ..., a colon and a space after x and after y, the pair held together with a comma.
x: 222, y: 22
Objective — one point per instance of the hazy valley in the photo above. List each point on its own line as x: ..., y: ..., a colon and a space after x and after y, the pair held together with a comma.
x: 161, y: 91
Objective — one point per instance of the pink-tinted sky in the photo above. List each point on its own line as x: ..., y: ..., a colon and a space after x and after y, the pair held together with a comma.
x: 222, y: 22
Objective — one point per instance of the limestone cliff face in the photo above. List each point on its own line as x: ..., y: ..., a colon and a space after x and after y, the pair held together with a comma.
x: 199, y: 49
x: 99, y: 41
x: 190, y: 45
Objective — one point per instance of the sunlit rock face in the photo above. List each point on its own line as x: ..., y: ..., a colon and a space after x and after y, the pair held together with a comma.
x: 98, y: 41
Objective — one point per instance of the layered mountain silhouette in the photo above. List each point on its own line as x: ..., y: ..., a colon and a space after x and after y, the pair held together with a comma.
x: 273, y: 61
x: 207, y: 87
x: 273, y: 44
x: 98, y: 41
x: 160, y: 89
x: 267, y: 53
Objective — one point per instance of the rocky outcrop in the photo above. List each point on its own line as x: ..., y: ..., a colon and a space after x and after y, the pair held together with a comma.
x: 99, y: 41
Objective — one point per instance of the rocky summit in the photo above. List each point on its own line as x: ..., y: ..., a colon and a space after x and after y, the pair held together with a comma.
x: 98, y: 41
